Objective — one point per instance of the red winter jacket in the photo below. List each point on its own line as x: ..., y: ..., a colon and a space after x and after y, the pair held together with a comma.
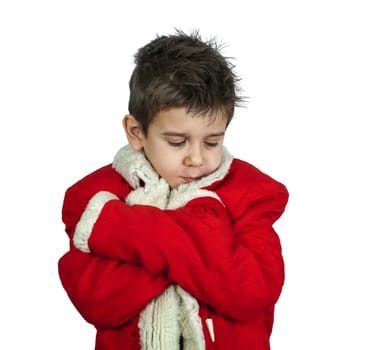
x: 224, y: 253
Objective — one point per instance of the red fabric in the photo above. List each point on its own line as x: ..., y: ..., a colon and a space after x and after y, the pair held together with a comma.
x: 227, y: 256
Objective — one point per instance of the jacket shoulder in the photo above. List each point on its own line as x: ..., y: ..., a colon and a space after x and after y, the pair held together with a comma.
x: 103, y: 179
x: 248, y: 185
x: 251, y: 176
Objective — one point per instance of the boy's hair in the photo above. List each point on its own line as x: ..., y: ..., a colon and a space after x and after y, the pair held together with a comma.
x: 181, y: 70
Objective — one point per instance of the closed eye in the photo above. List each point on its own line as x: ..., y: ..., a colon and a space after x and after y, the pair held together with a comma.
x: 211, y: 143
x: 176, y: 143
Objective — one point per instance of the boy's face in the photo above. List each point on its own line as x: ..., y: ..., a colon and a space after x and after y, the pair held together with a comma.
x: 183, y: 148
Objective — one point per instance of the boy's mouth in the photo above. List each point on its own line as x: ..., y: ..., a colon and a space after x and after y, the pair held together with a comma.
x: 189, y: 179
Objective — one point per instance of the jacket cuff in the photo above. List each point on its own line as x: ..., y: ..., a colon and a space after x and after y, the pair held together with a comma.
x: 89, y: 217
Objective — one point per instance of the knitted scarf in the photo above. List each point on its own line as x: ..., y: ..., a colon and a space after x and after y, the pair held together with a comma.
x: 174, y: 313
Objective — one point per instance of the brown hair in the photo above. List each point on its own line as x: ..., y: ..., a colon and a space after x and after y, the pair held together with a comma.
x: 181, y: 70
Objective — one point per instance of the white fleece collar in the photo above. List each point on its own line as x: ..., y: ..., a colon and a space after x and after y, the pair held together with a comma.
x: 134, y: 166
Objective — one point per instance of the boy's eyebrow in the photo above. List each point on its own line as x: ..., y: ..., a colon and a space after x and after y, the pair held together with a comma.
x: 183, y: 134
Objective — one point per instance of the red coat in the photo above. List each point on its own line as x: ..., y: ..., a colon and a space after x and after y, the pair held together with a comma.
x: 224, y: 253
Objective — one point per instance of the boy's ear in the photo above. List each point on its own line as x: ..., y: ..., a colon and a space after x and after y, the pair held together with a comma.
x: 133, y: 131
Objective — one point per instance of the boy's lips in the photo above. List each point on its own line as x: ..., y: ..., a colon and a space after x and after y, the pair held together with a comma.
x: 189, y: 178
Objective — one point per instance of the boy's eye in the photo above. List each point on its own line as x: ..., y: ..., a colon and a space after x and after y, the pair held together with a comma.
x: 211, y: 143
x: 176, y: 143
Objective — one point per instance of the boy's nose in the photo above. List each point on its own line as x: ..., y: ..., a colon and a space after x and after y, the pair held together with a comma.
x: 194, y: 157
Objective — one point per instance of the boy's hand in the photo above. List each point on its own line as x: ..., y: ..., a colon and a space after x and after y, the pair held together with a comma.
x: 148, y: 187
x: 155, y: 193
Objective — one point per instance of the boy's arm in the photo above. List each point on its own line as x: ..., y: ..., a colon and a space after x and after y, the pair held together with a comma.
x: 236, y: 269
x: 243, y: 260
x: 107, y: 293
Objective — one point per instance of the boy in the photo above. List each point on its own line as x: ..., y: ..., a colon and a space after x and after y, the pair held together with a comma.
x: 172, y: 245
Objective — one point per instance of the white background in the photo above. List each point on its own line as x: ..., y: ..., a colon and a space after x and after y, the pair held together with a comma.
x: 64, y: 71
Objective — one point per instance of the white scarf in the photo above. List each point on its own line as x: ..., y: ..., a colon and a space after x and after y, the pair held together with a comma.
x: 174, y: 313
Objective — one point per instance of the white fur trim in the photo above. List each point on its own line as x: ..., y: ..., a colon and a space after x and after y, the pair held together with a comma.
x: 134, y: 166
x: 89, y: 217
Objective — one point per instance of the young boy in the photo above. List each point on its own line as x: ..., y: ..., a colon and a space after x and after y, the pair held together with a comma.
x: 172, y: 245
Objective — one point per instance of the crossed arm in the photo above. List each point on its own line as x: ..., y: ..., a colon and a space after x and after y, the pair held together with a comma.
x: 136, y: 252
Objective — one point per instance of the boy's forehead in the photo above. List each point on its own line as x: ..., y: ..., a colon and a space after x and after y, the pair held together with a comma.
x: 182, y: 115
x: 178, y: 120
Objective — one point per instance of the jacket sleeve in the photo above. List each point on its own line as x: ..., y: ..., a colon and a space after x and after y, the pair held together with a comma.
x: 236, y: 268
x: 106, y: 292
